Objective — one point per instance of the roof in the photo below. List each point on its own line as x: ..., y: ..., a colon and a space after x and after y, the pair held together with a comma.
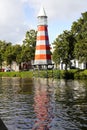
x: 42, y: 12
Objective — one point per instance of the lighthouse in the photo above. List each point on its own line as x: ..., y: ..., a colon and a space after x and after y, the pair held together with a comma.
x: 42, y: 52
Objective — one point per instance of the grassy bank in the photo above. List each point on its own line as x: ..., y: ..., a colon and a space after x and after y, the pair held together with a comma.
x: 57, y: 74
x: 23, y: 74
x: 62, y: 74
x: 70, y: 74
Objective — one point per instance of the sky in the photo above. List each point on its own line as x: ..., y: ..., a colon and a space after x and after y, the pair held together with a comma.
x: 19, y: 16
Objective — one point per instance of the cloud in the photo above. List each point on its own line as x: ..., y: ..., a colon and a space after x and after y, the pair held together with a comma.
x: 61, y: 13
x: 11, y: 20
x: 17, y: 16
x: 61, y: 9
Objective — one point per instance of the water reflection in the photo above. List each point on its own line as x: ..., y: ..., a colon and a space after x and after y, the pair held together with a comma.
x: 71, y: 105
x: 16, y: 104
x: 41, y: 104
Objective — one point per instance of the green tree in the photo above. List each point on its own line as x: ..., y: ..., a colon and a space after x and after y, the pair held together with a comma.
x: 79, y: 29
x: 28, y: 47
x: 63, y: 48
x: 2, y: 50
x: 8, y: 54
x: 17, y: 50
x: 55, y: 56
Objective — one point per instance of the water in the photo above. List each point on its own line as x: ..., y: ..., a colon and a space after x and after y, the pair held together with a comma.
x: 41, y: 104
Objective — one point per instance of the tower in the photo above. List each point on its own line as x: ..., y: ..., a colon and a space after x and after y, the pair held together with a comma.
x: 42, y: 52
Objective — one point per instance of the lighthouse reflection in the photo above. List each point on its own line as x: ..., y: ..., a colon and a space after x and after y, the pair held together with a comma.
x: 42, y: 106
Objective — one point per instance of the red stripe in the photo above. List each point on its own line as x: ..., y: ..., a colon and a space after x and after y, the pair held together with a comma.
x: 43, y: 47
x: 42, y: 28
x: 42, y: 37
x: 43, y: 56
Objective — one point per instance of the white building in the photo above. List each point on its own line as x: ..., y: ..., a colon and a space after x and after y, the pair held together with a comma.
x: 74, y: 64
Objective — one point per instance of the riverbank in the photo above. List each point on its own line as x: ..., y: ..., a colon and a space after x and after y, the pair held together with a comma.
x: 22, y: 74
x: 57, y: 74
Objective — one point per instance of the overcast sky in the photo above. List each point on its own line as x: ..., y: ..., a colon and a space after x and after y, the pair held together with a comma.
x: 19, y: 16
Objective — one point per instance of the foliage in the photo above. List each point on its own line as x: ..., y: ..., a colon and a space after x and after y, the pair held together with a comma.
x: 23, y: 74
x: 57, y: 74
x: 63, y: 48
x: 79, y: 29
x: 28, y: 47
x: 19, y: 53
x: 72, y: 44
x: 17, y: 50
x: 81, y: 74
x: 2, y: 50
x: 8, y: 54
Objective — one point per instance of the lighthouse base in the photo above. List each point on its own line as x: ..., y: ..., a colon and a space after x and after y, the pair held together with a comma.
x: 38, y: 70
x: 42, y: 62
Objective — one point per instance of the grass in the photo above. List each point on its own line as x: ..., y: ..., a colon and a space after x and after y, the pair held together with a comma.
x: 22, y: 74
x: 56, y: 74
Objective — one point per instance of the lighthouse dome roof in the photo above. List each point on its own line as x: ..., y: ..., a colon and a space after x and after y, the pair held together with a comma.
x: 42, y: 12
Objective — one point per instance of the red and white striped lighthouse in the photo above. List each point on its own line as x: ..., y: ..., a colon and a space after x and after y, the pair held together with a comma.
x: 42, y: 52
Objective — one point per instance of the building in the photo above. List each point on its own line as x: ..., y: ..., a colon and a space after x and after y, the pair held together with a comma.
x: 75, y: 64
x: 42, y: 52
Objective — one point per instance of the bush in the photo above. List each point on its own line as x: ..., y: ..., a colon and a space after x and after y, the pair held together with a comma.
x: 81, y: 74
x: 57, y: 74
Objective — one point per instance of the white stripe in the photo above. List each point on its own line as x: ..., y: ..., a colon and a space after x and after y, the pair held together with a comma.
x: 42, y: 52
x: 42, y: 33
x: 42, y: 42
x: 39, y: 62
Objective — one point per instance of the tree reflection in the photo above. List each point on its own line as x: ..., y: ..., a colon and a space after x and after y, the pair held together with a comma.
x: 71, y: 95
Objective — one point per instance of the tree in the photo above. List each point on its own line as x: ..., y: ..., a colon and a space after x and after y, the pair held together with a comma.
x: 63, y: 48
x: 80, y: 51
x: 8, y: 54
x: 3, y: 45
x: 79, y: 29
x: 55, y: 55
x: 17, y: 50
x: 28, y: 47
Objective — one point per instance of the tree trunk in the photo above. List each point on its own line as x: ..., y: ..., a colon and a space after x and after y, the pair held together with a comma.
x: 65, y: 66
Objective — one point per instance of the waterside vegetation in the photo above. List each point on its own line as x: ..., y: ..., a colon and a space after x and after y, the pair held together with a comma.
x: 56, y: 74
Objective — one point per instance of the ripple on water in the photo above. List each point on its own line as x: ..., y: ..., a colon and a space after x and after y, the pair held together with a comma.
x: 29, y: 104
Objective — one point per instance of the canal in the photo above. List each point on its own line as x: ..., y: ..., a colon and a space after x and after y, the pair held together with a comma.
x: 43, y: 104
